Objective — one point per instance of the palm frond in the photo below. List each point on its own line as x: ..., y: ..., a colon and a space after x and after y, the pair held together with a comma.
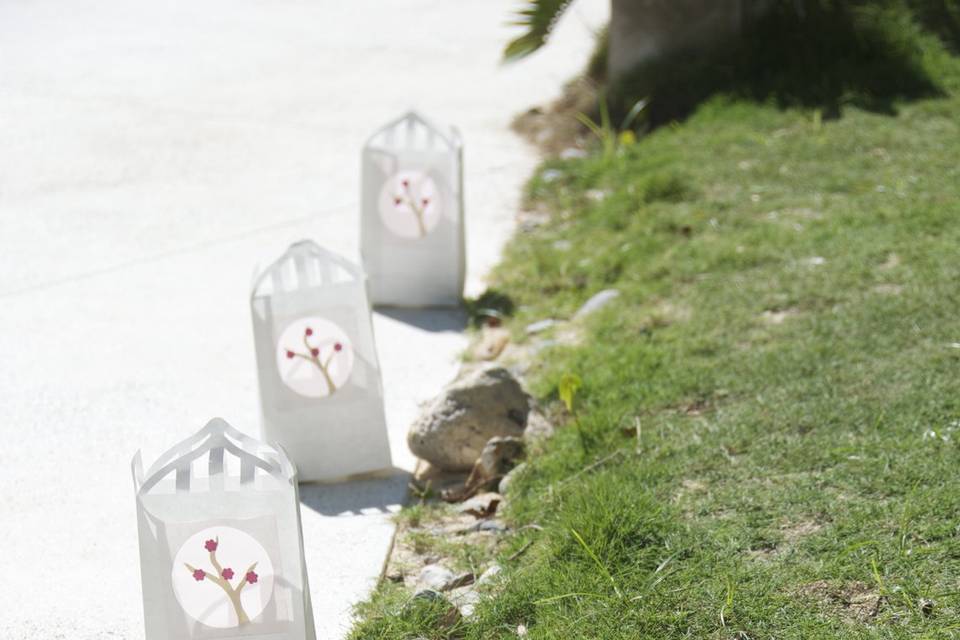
x: 538, y: 17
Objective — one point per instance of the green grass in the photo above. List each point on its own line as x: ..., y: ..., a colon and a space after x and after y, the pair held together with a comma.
x: 787, y: 337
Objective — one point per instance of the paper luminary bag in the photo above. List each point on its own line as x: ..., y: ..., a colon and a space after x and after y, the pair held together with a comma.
x: 221, y: 549
x: 411, y: 222
x: 320, y: 388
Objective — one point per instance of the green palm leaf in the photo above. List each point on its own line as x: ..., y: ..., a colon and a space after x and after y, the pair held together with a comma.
x: 538, y: 17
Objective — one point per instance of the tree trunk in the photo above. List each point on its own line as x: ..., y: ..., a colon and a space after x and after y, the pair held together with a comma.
x: 643, y: 30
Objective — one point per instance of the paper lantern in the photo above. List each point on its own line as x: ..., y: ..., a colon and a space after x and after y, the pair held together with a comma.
x: 221, y: 549
x: 411, y: 222
x: 320, y: 390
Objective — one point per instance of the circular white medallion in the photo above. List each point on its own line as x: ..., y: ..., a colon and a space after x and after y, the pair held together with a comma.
x: 222, y: 577
x: 314, y: 357
x: 410, y: 204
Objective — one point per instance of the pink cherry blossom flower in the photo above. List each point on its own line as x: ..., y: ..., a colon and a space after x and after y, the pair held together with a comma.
x: 227, y: 573
x: 251, y: 577
x: 199, y: 575
x: 210, y: 545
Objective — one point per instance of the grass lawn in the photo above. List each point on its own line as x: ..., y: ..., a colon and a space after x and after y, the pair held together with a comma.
x: 788, y: 340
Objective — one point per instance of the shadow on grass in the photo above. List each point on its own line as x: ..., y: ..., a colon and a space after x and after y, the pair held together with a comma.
x: 820, y: 54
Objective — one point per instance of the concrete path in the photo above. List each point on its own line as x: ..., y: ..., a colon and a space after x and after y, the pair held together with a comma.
x: 151, y: 153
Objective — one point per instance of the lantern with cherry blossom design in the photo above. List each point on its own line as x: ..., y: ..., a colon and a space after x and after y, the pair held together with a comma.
x: 221, y: 549
x: 320, y: 391
x: 411, y: 221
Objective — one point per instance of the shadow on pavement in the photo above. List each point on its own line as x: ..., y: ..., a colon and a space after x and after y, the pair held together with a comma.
x: 437, y: 319
x: 362, y: 496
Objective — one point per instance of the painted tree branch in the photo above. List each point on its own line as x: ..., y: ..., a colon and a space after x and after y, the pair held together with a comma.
x: 416, y: 204
x: 222, y: 578
x: 312, y: 356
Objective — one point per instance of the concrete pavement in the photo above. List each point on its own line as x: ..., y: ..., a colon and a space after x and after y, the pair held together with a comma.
x: 151, y: 153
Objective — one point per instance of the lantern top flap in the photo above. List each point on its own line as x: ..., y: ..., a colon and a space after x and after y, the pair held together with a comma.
x: 414, y: 132
x: 214, y: 441
x: 303, y: 265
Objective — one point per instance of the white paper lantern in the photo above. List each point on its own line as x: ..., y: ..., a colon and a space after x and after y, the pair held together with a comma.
x: 320, y: 390
x: 411, y: 223
x: 221, y: 548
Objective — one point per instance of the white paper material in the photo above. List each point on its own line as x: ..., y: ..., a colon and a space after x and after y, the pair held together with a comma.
x: 221, y: 548
x: 411, y: 222
x: 321, y: 394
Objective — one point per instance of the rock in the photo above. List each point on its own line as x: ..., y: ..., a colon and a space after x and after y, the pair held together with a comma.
x: 453, y: 430
x: 482, y: 505
x: 541, y: 325
x: 462, y: 580
x: 538, y: 427
x: 435, y: 577
x: 490, y: 575
x: 572, y: 153
x: 596, y: 302
x: 550, y: 175
x: 465, y: 600
x: 501, y: 454
x: 486, y: 526
x: 505, y: 482
x: 492, y: 342
x: 530, y: 220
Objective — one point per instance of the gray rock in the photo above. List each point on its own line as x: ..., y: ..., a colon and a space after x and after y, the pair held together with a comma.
x: 465, y: 599
x: 500, y: 454
x: 538, y: 427
x: 485, y: 403
x: 572, y: 152
x: 490, y: 575
x: 541, y: 325
x: 505, y: 482
x: 549, y: 175
x: 481, y: 503
x: 596, y: 302
x: 435, y: 577
x: 486, y: 526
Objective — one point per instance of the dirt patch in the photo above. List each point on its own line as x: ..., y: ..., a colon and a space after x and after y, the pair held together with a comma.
x: 852, y: 601
x: 793, y: 533
x: 778, y: 316
x: 892, y: 262
x: 555, y: 128
x: 889, y: 289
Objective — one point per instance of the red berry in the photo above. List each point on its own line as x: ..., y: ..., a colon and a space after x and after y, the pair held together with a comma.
x: 251, y: 577
x: 210, y: 545
x: 397, y: 201
x: 405, y: 183
x: 227, y: 573
x: 315, y: 351
x: 199, y: 575
x: 309, y: 331
x: 290, y: 354
x: 338, y: 347
x: 425, y: 201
